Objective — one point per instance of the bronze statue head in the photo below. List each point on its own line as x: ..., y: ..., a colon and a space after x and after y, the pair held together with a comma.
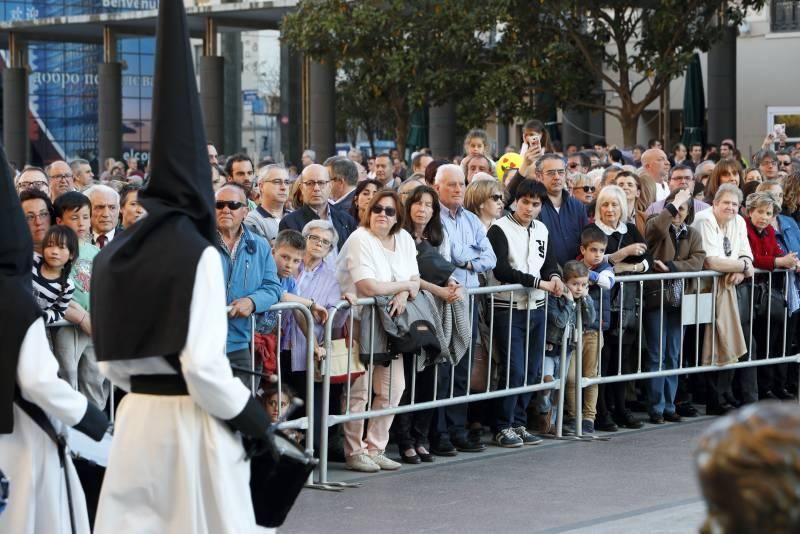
x: 748, y: 464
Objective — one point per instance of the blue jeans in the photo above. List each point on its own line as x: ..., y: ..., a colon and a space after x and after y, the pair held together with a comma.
x: 662, y: 389
x: 512, y: 411
x: 552, y: 367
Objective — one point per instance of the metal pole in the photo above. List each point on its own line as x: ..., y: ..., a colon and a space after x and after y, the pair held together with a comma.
x: 253, y: 357
x: 579, y: 368
x: 562, y: 377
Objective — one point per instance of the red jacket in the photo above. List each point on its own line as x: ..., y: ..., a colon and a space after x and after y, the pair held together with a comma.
x: 764, y: 245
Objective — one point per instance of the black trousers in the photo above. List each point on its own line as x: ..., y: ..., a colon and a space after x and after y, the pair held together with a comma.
x: 411, y: 429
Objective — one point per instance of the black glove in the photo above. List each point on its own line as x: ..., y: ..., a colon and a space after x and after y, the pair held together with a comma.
x: 94, y: 422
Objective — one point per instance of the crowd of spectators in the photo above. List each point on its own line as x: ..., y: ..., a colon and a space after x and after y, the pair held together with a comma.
x: 569, y: 225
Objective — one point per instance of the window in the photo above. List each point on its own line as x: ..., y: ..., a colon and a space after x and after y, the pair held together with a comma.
x: 785, y: 15
x: 790, y: 116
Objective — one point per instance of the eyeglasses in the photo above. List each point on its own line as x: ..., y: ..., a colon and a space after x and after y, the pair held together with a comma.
x: 786, y: 163
x: 552, y: 173
x: 38, y: 184
x: 318, y: 239
x: 42, y: 215
x: 768, y: 162
x: 313, y: 184
x: 230, y: 204
x: 586, y: 188
x: 496, y: 198
x: 574, y: 165
x: 726, y: 245
x: 277, y: 182
x: 388, y: 210
x: 64, y: 177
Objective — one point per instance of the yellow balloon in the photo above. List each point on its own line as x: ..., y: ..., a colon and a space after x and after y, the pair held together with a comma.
x: 510, y: 160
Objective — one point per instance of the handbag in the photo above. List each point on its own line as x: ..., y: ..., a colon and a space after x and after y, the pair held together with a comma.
x: 338, y: 361
x: 768, y: 301
x: 433, y: 267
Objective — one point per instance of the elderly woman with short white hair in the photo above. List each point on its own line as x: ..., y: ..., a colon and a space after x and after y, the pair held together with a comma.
x: 627, y: 252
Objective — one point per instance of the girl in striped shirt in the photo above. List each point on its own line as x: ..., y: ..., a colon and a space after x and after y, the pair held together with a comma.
x: 52, y: 287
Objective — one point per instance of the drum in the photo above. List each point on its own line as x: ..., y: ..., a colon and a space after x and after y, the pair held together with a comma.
x: 276, y: 479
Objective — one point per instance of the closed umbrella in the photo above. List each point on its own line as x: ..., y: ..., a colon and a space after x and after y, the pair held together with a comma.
x: 418, y: 132
x: 694, y: 105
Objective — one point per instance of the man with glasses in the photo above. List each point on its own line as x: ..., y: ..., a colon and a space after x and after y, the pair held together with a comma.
x: 563, y: 215
x: 60, y: 177
x: 784, y: 161
x: 33, y: 178
x: 680, y: 177
x: 274, y: 184
x: 344, y: 178
x: 38, y: 211
x: 767, y: 162
x: 315, y: 183
x: 249, y: 268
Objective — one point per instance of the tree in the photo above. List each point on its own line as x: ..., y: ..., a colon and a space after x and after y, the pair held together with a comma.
x: 406, y: 54
x: 565, y: 47
x: 358, y: 108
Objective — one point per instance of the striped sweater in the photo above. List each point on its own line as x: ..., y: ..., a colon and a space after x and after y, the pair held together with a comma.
x: 48, y: 293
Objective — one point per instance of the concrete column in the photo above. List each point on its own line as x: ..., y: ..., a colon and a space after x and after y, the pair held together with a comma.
x: 232, y: 104
x: 574, y: 122
x: 291, y: 105
x: 109, y: 110
x: 442, y: 130
x: 721, y: 100
x: 321, y: 119
x: 212, y: 98
x: 15, y: 114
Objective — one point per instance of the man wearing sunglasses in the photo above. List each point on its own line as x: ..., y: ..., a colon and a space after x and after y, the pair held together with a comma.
x: 315, y: 183
x: 578, y: 163
x: 252, y: 277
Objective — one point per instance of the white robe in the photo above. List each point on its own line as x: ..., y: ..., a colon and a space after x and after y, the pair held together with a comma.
x: 174, y: 466
x: 29, y: 458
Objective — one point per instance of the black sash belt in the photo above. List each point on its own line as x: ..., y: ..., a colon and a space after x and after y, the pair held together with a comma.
x: 159, y: 385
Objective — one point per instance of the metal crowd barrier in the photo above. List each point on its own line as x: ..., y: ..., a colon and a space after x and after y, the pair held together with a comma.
x: 582, y: 382
x: 330, y: 420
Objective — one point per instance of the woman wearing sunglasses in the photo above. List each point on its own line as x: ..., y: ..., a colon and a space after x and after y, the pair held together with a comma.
x: 378, y: 259
x: 484, y: 198
x: 583, y: 189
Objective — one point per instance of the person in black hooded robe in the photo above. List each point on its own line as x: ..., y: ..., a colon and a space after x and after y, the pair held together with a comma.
x: 45, y: 493
x: 160, y: 326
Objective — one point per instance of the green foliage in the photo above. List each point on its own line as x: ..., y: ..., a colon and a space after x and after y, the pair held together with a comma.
x: 493, y: 56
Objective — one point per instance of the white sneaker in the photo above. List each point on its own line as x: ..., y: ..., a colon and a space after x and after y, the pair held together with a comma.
x: 362, y: 462
x: 385, y: 463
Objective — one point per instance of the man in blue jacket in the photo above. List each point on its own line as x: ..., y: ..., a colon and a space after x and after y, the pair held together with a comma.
x: 563, y: 215
x: 251, y: 277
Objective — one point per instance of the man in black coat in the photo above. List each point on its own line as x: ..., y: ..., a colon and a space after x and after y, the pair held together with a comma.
x: 315, y: 183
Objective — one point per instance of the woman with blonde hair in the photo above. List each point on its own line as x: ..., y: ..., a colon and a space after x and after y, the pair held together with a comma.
x: 484, y: 198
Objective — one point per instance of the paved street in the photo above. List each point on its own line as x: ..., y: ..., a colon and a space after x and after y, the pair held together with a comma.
x: 638, y: 481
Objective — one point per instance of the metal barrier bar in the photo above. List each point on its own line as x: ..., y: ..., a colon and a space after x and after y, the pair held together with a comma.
x: 329, y: 420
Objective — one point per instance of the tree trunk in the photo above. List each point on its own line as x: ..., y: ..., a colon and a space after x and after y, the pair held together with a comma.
x: 630, y: 125
x: 401, y: 131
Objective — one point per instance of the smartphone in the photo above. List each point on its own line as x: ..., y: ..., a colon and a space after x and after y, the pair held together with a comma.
x: 533, y: 140
x: 779, y: 130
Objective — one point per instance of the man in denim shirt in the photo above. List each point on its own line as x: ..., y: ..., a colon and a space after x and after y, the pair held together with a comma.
x: 251, y: 278
x: 472, y: 254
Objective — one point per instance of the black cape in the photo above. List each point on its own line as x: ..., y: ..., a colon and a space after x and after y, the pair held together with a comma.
x: 142, y: 281
x: 18, y: 310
